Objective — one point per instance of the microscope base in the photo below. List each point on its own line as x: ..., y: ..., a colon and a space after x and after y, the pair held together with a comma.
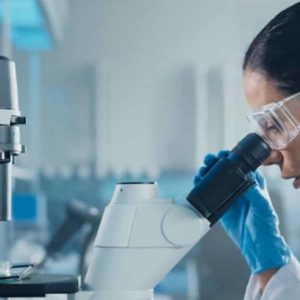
x: 97, y: 295
x: 39, y: 285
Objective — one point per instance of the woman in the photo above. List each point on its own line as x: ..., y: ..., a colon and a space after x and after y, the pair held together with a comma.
x: 271, y: 83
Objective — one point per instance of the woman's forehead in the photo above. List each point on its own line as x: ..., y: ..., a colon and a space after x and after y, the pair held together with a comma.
x: 259, y: 91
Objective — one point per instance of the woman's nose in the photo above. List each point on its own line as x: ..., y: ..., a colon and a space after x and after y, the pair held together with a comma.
x: 274, y: 159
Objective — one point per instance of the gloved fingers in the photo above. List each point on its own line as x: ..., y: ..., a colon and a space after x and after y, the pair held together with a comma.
x: 260, y: 179
x: 197, y: 179
x: 260, y: 185
x: 201, y: 173
x: 223, y: 153
x: 210, y: 160
x: 261, y: 205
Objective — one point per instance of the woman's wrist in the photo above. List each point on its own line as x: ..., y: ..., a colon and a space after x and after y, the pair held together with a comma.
x: 264, y: 277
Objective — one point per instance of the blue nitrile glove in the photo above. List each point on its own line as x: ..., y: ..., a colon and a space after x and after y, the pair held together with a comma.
x: 252, y: 223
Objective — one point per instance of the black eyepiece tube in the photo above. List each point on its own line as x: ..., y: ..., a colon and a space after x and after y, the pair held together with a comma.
x: 229, y: 178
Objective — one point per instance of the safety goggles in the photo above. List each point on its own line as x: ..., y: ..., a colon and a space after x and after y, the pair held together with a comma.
x: 279, y: 122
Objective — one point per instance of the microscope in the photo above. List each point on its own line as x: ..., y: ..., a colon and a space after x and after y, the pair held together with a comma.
x: 142, y: 237
x: 19, y: 280
x: 10, y: 144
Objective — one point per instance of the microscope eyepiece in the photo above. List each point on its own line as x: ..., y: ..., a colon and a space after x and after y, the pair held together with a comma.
x: 229, y: 178
x: 253, y: 149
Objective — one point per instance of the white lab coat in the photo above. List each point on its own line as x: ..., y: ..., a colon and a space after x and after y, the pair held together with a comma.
x: 284, y: 285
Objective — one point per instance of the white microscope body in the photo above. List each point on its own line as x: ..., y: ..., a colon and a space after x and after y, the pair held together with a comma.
x: 140, y: 239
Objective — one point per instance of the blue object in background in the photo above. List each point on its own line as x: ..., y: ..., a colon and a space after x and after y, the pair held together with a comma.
x: 29, y: 25
x: 25, y: 208
x: 30, y: 210
x: 32, y: 39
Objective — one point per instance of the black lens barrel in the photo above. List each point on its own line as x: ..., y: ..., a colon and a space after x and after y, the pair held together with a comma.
x: 229, y: 178
x: 253, y: 150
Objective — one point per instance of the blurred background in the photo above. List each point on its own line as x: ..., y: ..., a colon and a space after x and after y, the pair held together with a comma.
x: 129, y: 90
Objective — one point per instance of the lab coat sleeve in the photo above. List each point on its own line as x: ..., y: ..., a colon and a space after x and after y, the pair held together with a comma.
x: 285, y: 284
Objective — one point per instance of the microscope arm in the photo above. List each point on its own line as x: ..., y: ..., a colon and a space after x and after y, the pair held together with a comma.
x: 141, y: 237
x: 182, y: 226
x: 138, y: 243
x: 162, y: 225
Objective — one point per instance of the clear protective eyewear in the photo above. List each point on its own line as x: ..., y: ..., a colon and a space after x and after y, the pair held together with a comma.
x: 278, y: 122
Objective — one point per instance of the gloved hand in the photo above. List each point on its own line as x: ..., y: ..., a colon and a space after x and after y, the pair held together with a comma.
x: 252, y: 223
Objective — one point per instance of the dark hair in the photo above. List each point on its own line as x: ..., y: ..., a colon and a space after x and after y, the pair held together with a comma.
x: 275, y: 51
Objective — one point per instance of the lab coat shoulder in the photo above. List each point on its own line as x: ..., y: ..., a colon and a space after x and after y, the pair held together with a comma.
x: 285, y: 284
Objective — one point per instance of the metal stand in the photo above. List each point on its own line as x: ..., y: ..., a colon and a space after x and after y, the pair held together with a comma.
x: 39, y: 285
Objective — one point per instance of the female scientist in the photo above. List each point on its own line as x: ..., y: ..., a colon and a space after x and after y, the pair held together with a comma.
x: 272, y: 88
